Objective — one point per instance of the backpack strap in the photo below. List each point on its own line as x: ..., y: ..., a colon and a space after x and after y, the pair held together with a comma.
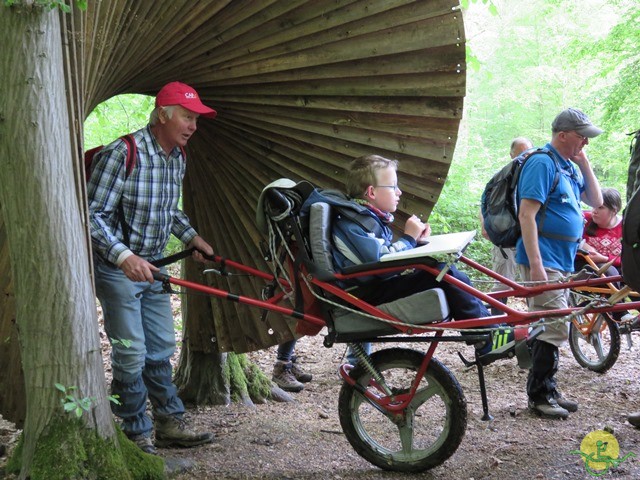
x: 130, y: 163
x: 543, y: 209
x: 367, y: 222
x: 132, y: 154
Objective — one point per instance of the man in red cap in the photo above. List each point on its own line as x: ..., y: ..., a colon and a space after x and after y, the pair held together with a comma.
x: 132, y: 213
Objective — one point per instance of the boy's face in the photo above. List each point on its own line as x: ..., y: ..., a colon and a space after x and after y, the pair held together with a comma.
x: 385, y: 195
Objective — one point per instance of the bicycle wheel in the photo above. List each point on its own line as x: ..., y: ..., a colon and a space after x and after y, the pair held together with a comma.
x: 422, y: 436
x: 596, y: 348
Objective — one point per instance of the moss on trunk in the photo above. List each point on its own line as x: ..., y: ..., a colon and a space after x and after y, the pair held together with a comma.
x: 67, y: 450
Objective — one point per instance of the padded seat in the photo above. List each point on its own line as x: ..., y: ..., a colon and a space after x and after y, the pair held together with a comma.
x: 421, y: 308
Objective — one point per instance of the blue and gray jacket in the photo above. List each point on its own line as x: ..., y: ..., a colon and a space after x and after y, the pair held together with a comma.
x: 359, y: 235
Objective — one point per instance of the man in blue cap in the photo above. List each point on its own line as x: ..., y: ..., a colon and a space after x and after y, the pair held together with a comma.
x: 549, y: 242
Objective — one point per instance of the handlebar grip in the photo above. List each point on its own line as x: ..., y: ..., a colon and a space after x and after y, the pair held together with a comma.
x: 211, y: 258
x: 277, y: 203
x: 159, y: 276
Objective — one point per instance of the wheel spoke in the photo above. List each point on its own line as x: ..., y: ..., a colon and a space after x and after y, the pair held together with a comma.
x: 424, y: 434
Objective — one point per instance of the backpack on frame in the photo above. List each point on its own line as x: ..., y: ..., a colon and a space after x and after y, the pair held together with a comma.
x: 499, y: 202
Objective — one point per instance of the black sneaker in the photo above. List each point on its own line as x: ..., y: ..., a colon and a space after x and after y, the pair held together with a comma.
x: 548, y: 408
x: 634, y: 419
x: 502, y: 345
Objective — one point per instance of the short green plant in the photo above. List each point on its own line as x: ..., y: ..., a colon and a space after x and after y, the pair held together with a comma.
x: 124, y: 342
x: 71, y: 403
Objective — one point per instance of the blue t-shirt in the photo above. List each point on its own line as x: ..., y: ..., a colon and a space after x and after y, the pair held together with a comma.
x: 563, y: 215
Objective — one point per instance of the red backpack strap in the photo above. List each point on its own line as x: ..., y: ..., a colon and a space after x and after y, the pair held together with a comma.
x: 88, y: 159
x: 132, y: 154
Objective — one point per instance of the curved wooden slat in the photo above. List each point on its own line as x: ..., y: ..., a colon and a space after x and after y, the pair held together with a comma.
x: 301, y: 88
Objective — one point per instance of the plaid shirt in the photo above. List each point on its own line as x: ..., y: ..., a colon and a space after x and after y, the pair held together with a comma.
x: 149, y: 198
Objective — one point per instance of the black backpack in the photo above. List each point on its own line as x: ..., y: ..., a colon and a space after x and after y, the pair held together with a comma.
x: 631, y: 219
x: 630, y: 258
x: 499, y: 203
x: 633, y: 178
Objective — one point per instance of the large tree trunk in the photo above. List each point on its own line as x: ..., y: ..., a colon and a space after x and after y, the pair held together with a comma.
x: 56, y: 315
x: 206, y: 376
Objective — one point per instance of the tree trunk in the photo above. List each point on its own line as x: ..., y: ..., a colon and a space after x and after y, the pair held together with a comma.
x: 55, y: 307
x: 204, y: 375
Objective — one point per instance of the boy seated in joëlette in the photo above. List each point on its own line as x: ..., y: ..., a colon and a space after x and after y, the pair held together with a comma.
x: 372, y: 183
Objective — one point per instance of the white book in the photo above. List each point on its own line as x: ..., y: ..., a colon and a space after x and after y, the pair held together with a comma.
x: 437, y: 245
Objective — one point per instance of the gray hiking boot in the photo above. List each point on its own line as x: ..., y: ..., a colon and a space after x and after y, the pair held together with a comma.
x: 144, y: 443
x: 548, y: 407
x: 172, y: 431
x: 283, y: 377
x: 297, y: 371
x: 568, y: 405
x: 634, y: 419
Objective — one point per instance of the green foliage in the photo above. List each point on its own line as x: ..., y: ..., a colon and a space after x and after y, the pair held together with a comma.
x: 52, y: 4
x: 525, y: 65
x: 116, y: 117
x: 490, y: 5
x: 126, y: 343
x: 71, y: 403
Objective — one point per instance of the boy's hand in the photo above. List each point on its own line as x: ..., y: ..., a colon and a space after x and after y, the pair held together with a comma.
x: 425, y: 234
x: 414, y: 227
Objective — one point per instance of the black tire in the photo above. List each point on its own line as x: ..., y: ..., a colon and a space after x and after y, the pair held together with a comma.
x: 598, y: 351
x: 433, y: 425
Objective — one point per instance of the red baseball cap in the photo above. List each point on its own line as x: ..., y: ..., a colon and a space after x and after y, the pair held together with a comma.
x: 177, y: 93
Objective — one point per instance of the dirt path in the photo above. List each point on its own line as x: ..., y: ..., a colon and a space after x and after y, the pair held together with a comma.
x: 304, y: 440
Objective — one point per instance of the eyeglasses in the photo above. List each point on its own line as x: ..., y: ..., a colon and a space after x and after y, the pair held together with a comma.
x: 395, y: 188
x: 581, y: 137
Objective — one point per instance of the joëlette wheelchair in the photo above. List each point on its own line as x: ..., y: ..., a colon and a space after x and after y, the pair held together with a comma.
x: 400, y: 408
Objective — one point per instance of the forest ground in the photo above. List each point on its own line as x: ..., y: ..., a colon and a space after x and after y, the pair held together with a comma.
x: 303, y: 439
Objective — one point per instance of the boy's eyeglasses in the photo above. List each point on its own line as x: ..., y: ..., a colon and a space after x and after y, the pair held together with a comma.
x: 395, y: 188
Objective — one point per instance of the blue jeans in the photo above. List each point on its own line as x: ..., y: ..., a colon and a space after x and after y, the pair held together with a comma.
x: 142, y: 319
x: 285, y: 351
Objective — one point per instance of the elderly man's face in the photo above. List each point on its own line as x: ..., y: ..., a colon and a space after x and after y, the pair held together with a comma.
x: 178, y: 129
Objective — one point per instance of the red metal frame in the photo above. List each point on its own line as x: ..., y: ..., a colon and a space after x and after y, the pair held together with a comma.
x: 395, y: 404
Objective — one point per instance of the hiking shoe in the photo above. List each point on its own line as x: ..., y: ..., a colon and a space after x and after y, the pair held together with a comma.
x: 283, y: 377
x: 568, y: 405
x: 172, y: 431
x: 297, y: 371
x: 634, y: 419
x: 548, y: 407
x: 144, y: 443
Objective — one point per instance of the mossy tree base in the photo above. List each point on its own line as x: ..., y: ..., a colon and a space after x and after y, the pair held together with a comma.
x: 219, y: 379
x: 67, y: 450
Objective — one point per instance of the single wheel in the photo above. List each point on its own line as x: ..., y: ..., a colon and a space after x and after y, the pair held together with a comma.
x: 594, y: 339
x: 420, y: 437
